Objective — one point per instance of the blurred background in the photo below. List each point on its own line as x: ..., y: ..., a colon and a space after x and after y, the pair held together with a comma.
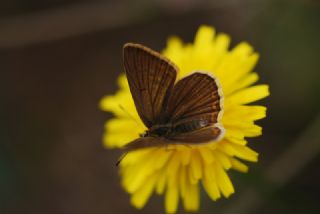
x: 59, y: 57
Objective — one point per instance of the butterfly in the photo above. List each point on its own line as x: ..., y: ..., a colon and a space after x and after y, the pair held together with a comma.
x: 185, y: 112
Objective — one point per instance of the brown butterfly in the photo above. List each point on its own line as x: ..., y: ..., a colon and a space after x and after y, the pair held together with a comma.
x: 186, y: 112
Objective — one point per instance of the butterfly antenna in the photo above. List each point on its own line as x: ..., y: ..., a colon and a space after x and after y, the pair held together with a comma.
x: 125, y: 111
x: 121, y: 158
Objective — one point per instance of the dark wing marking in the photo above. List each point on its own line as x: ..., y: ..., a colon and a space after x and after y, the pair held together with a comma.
x: 195, y: 103
x: 151, y: 78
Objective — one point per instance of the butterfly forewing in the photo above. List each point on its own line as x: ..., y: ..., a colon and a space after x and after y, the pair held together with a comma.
x: 195, y: 103
x: 151, y: 78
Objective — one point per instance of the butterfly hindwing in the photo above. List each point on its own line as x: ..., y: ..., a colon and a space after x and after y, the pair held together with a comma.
x: 146, y: 142
x: 198, y: 136
x: 151, y: 78
x: 195, y: 137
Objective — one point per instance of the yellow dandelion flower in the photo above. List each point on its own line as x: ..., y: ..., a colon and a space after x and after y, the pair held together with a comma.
x: 177, y: 172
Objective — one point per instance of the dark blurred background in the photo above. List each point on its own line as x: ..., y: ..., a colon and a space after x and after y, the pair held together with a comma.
x: 59, y: 57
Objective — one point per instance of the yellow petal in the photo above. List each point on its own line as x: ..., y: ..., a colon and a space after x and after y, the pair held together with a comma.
x: 210, y: 183
x: 234, y: 133
x: 161, y: 158
x: 112, y: 140
x: 245, y: 153
x: 185, y: 156
x: 173, y: 165
x: 222, y: 159
x: 120, y: 104
x: 249, y: 95
x: 139, y: 173
x: 109, y: 103
x: 246, y: 113
x: 135, y: 157
x: 223, y: 181
x: 182, y: 180
x: 204, y: 36
x: 124, y: 125
x: 140, y: 197
x: 248, y: 129
x: 224, y: 146
x: 237, y: 71
x: 207, y: 155
x: 242, y: 49
x: 221, y: 45
x: 123, y: 82
x: 173, y: 49
x: 203, y: 45
x: 172, y: 197
x: 241, y: 83
x: 238, y: 165
x: 239, y: 141
x: 196, y: 166
x: 161, y: 183
x: 191, y: 200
